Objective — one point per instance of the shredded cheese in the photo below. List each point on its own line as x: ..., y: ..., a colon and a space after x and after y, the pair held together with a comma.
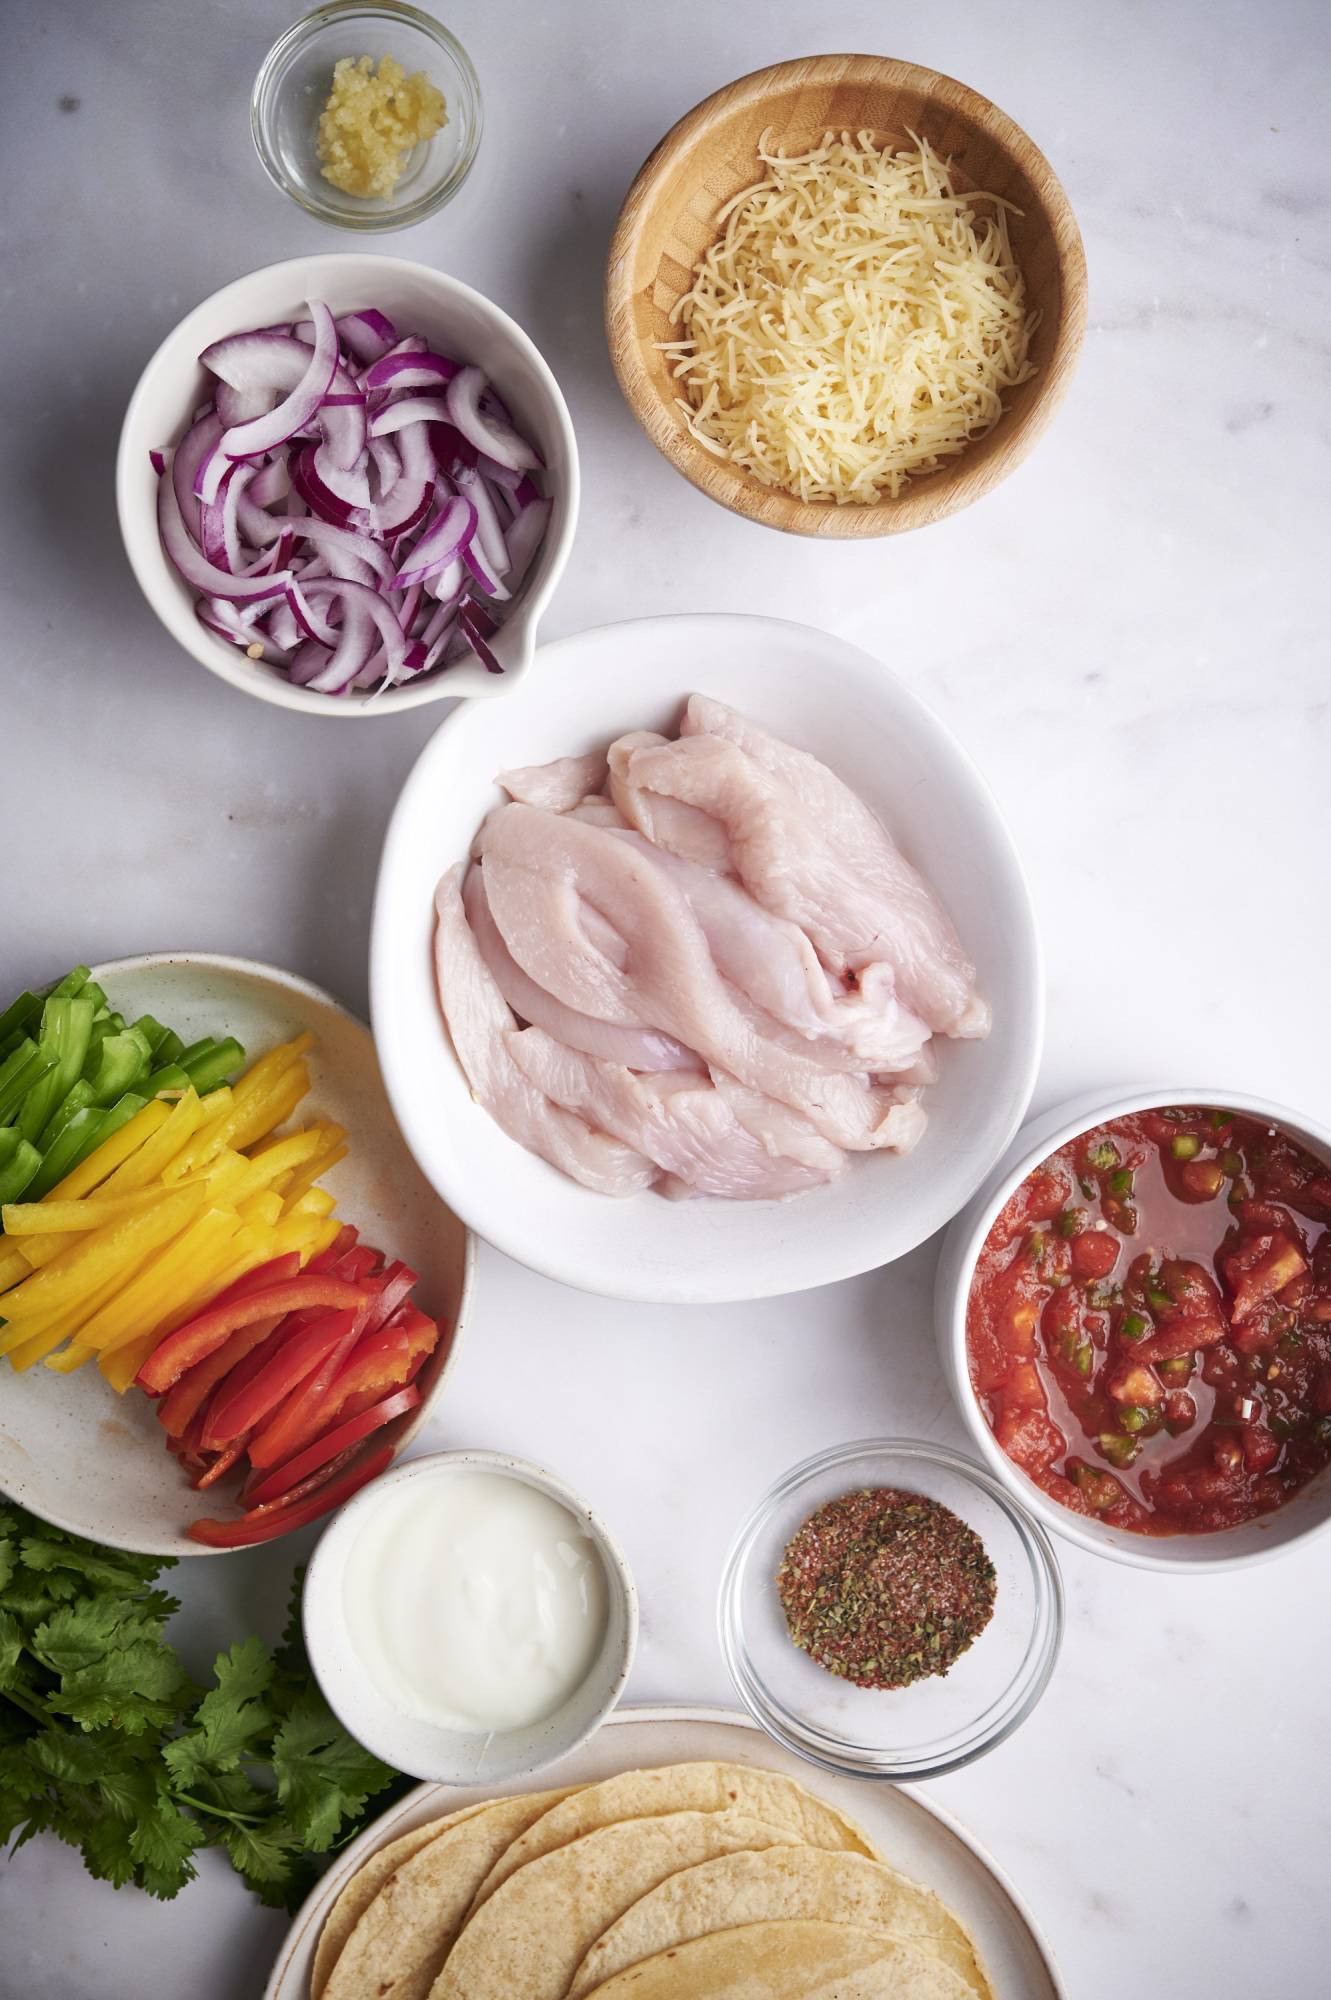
x: 856, y: 322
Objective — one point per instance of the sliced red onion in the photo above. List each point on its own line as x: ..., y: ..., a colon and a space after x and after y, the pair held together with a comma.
x: 378, y: 609
x: 201, y: 574
x: 444, y: 539
x: 338, y: 519
x: 490, y: 432
x: 314, y: 493
x: 524, y: 537
x: 307, y: 662
x: 302, y: 405
x: 475, y: 562
x: 489, y: 528
x: 449, y: 585
x: 469, y: 620
x: 349, y: 485
x: 387, y: 466
x: 410, y: 371
x: 272, y: 482
x: 310, y: 620
x: 411, y: 410
x: 367, y: 333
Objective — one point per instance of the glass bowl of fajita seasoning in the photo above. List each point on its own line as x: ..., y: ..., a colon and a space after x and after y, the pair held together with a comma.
x: 888, y: 1610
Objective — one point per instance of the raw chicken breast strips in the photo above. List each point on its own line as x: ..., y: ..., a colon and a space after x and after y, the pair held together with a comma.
x: 637, y: 1047
x: 670, y: 825
x: 900, y: 919
x: 558, y: 786
x: 775, y: 965
x: 479, y: 1020
x: 679, y: 1121
x: 542, y: 872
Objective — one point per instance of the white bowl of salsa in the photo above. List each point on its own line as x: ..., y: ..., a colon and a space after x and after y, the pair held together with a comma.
x: 1134, y: 1314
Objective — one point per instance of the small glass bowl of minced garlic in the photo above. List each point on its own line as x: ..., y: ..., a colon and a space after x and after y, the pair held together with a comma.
x: 368, y: 116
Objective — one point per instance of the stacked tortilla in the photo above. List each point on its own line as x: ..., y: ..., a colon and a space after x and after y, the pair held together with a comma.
x: 694, y: 1879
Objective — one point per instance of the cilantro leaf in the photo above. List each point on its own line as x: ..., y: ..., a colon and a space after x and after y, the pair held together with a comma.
x: 323, y: 1775
x: 107, y: 1744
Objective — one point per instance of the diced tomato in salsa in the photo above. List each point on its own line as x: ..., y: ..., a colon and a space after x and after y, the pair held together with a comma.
x: 1149, y: 1324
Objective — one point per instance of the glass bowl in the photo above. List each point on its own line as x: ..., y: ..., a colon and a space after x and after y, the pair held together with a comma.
x: 937, y: 1724
x: 292, y: 88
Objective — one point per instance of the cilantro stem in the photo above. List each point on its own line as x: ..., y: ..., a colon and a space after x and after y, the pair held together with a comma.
x: 219, y: 1812
x: 29, y: 1708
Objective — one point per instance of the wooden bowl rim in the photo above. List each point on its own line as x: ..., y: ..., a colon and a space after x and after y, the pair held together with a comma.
x: 924, y: 500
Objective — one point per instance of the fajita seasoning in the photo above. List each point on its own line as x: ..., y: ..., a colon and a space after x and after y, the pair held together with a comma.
x: 883, y: 1587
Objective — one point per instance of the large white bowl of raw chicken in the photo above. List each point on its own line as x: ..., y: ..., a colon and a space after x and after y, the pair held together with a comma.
x: 705, y: 968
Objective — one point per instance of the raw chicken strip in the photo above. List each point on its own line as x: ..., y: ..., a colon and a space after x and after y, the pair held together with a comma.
x: 679, y: 1121
x: 858, y: 901
x: 781, y: 1130
x: 479, y: 1020
x: 934, y: 974
x: 636, y: 1047
x: 558, y: 786
x: 775, y: 965
x: 598, y: 811
x: 543, y: 872
x: 671, y: 826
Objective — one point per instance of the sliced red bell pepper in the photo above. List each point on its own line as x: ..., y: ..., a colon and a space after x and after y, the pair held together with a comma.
x: 280, y: 1520
x: 243, y: 1408
x: 384, y: 1360
x: 222, y: 1463
x: 334, y: 1444
x: 307, y: 1410
x: 238, y: 1375
x: 275, y: 1272
x: 180, y: 1405
x: 395, y: 1288
x: 344, y: 1240
x: 203, y: 1334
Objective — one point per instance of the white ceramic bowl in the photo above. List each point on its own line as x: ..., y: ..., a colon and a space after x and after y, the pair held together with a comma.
x: 96, y: 1463
x: 456, y: 320
x: 428, y: 1749
x: 1307, y: 1513
x: 845, y: 707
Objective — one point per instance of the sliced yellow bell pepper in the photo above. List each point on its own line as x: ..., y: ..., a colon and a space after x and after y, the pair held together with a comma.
x: 314, y: 1201
x: 110, y: 1154
x: 176, y: 1272
x: 304, y: 1178
x: 63, y: 1218
x: 13, y: 1266
x: 120, y: 1247
x: 184, y: 1118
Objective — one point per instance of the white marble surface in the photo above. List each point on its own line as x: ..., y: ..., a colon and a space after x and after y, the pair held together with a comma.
x: 1129, y: 636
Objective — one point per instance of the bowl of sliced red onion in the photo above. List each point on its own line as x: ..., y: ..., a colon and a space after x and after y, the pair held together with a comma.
x: 349, y: 484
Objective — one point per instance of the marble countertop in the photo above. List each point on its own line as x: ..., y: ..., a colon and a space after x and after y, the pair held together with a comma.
x: 1130, y: 638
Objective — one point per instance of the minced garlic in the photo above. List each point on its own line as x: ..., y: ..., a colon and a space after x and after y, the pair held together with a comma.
x: 371, y: 122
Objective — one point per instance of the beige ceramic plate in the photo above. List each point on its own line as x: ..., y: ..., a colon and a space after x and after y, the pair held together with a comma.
x: 94, y: 1462
x: 913, y: 1833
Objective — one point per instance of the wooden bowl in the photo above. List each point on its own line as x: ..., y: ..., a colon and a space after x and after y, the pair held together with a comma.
x: 668, y: 222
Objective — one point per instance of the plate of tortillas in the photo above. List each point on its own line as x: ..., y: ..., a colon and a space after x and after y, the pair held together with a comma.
x: 677, y: 1854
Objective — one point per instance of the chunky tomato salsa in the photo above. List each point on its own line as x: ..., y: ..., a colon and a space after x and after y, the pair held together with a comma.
x: 1149, y: 1324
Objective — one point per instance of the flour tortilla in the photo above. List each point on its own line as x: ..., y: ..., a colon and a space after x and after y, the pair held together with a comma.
x: 784, y: 1883
x: 362, y: 1889
x: 764, y: 1795
x: 403, y: 1937
x: 529, y: 1938
x: 797, y: 1961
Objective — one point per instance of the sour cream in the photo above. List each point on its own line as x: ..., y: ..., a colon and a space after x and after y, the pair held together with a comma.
x: 475, y: 1601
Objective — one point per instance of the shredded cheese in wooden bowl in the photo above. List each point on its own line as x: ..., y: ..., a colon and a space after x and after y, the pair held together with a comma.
x: 856, y: 322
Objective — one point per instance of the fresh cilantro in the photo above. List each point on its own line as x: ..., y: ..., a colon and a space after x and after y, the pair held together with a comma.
x: 106, y: 1743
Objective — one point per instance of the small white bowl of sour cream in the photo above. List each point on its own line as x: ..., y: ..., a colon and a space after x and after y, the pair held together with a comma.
x: 469, y: 1618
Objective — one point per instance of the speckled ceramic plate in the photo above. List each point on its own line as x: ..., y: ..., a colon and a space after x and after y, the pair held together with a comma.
x: 94, y: 1462
x: 913, y: 1833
